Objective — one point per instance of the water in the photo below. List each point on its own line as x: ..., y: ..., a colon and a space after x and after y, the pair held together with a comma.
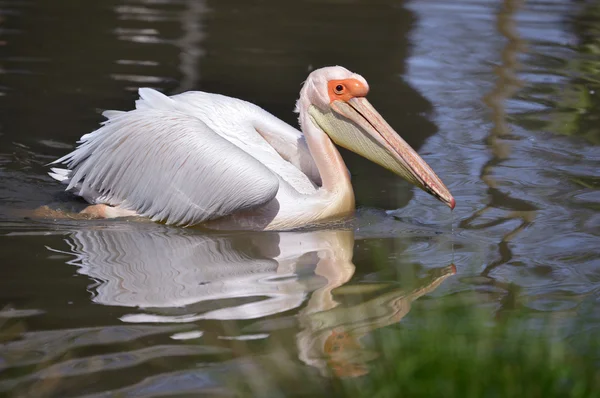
x: 500, y: 98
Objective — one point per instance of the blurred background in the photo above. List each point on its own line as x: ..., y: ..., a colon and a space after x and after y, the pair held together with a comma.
x: 498, y: 297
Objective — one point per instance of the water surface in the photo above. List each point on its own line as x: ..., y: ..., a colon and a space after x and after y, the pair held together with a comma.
x: 500, y: 98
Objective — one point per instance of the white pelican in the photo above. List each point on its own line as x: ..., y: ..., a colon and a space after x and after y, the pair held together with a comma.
x: 201, y: 158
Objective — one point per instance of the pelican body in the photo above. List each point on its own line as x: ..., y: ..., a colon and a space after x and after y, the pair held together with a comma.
x: 201, y: 158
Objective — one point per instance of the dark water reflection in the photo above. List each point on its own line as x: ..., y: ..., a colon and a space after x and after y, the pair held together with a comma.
x: 500, y: 98
x: 296, y: 291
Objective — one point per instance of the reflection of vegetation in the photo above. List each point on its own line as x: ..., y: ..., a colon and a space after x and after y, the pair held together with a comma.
x: 572, y: 108
x: 458, y: 353
x: 588, y: 29
x: 455, y: 351
x: 507, y: 85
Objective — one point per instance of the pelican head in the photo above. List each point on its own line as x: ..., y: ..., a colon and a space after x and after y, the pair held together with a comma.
x: 334, y: 99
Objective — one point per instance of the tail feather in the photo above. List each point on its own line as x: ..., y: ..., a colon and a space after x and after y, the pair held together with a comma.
x: 61, y: 175
x: 64, y: 177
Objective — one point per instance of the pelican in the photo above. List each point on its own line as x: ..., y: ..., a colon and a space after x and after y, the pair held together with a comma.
x: 201, y: 158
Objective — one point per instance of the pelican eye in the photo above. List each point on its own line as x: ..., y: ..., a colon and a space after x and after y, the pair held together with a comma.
x: 339, y: 89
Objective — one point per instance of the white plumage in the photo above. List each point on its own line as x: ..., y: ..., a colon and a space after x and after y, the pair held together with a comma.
x: 200, y: 158
x: 166, y: 159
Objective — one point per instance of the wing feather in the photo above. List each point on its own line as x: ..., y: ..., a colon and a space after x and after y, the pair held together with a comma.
x: 167, y: 165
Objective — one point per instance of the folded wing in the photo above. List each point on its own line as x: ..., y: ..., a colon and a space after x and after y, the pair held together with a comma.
x: 166, y: 165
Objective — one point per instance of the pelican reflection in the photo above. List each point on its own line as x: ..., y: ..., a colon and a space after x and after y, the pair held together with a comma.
x: 330, y: 338
x: 162, y: 270
x: 174, y: 275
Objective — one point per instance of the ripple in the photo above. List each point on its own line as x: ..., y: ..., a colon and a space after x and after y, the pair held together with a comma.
x: 136, y: 62
x: 195, y: 334
x: 138, y: 78
x: 187, y: 382
x: 40, y: 347
x: 245, y: 337
x: 22, y: 313
x: 141, y: 13
x: 55, y: 144
x: 109, y: 362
